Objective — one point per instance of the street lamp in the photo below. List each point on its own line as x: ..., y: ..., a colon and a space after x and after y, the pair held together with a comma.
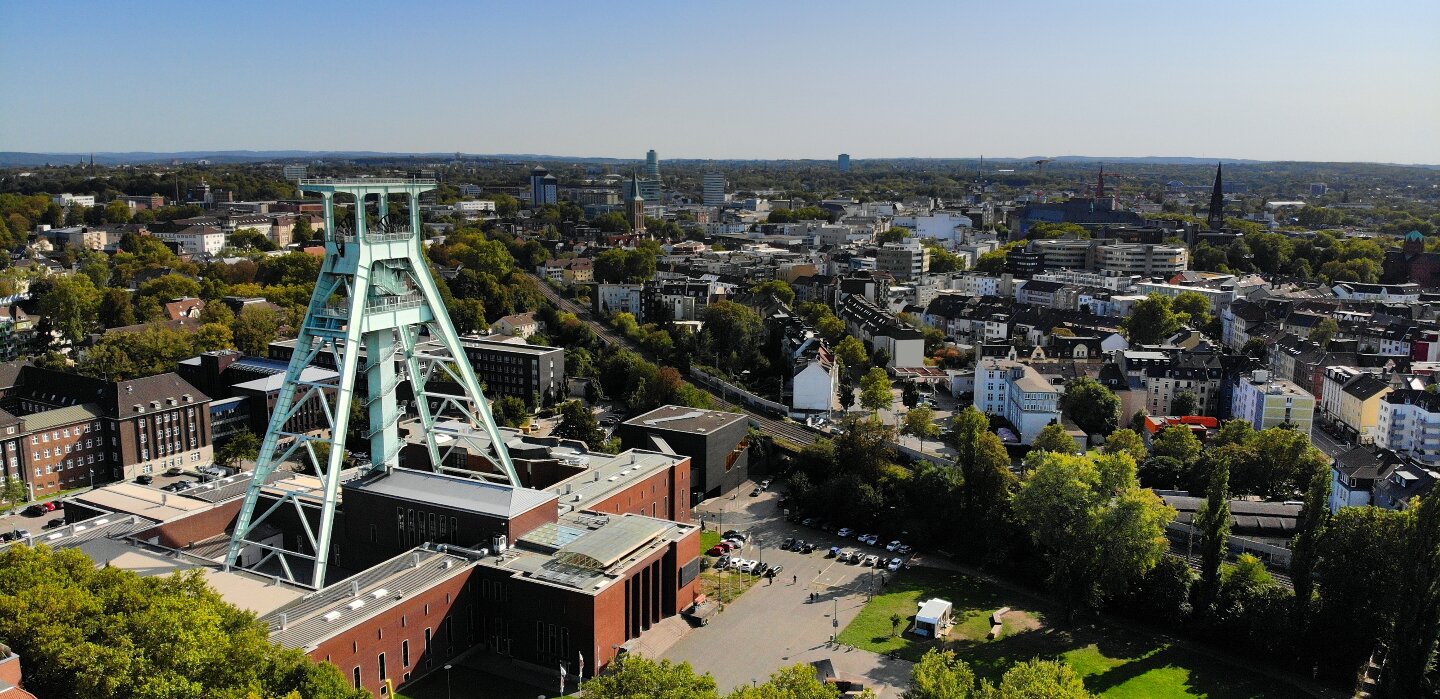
x: 447, y: 680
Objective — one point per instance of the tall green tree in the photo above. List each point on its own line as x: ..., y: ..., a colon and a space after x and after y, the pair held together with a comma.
x: 72, y: 305
x: 1361, y: 553
x: 638, y: 677
x: 1411, y: 653
x: 1151, y: 320
x: 920, y: 424
x: 256, y: 327
x: 1092, y: 406
x: 1177, y: 442
x: 1212, y: 534
x: 1097, y: 530
x: 1054, y: 438
x: 98, y: 632
x: 1041, y: 679
x: 1305, y: 545
x: 1185, y: 403
x: 243, y: 446
x: 1128, y: 441
x: 876, y: 391
x: 940, y: 674
x: 578, y: 422
x: 851, y: 353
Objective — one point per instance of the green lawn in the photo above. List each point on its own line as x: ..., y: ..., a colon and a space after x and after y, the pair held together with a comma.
x: 708, y: 538
x: 1115, y: 663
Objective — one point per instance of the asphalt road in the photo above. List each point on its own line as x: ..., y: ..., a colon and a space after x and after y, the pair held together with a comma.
x: 1327, y: 444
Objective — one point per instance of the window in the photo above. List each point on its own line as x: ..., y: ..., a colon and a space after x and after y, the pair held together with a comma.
x: 382, y: 667
x: 357, y: 676
x: 405, y: 653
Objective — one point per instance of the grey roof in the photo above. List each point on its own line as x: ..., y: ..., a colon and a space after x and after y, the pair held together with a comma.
x: 603, y: 547
x: 454, y: 492
x: 679, y: 418
x: 61, y: 416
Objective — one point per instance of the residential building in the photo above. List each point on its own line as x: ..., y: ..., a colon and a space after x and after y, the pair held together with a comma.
x: 620, y: 298
x: 945, y: 225
x: 576, y: 270
x: 1350, y: 402
x: 1409, y: 424
x: 1265, y: 401
x: 197, y: 240
x: 1018, y: 393
x: 905, y: 345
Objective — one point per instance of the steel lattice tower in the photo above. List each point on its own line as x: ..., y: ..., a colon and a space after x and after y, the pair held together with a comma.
x: 374, y: 292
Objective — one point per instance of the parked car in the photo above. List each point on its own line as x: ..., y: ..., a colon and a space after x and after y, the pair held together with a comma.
x: 55, y: 523
x: 735, y: 534
x: 760, y: 568
x: 722, y: 562
x: 845, y: 532
x: 787, y: 543
x: 870, y: 561
x: 892, y: 546
x: 14, y: 535
x: 765, y: 484
x: 735, y: 544
x: 852, y: 557
x: 893, y: 565
x: 36, y: 510
x: 809, y: 548
x: 808, y: 521
x: 755, y: 492
x: 173, y: 471
x: 144, y: 479
x: 869, y: 539
x: 748, y: 566
x: 904, y: 550
x: 717, y: 550
x: 828, y: 527
x: 774, y: 570
x: 834, y: 552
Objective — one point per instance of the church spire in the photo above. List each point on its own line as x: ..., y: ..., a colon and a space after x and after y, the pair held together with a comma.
x: 1217, y: 203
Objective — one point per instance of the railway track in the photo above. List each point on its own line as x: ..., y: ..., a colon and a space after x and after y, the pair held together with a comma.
x: 789, y: 432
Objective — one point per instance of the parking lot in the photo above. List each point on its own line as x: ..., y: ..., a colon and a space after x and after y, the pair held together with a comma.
x: 775, y: 623
x: 16, y: 519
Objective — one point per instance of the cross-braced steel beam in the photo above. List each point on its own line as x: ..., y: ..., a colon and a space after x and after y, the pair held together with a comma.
x: 374, y: 297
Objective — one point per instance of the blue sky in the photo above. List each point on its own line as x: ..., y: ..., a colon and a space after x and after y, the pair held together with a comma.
x: 1264, y: 79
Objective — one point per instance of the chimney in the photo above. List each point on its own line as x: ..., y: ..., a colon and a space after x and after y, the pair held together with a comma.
x: 354, y: 588
x: 284, y: 621
x: 415, y: 560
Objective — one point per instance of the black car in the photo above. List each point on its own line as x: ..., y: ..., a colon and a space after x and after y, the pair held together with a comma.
x: 809, y: 548
x: 785, y: 545
x: 774, y: 570
x: 144, y: 479
x: 760, y: 569
x: 36, y: 510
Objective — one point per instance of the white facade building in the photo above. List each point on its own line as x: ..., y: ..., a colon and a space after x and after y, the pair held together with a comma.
x: 1018, y: 393
x: 69, y: 200
x: 949, y: 226
x: 1265, y: 401
x: 1409, y: 424
x: 197, y: 240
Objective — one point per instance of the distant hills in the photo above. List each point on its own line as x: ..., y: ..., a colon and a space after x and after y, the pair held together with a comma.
x: 24, y: 159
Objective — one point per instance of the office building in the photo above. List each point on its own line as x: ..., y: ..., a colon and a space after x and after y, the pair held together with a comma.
x: 906, y: 261
x: 714, y: 192
x: 652, y: 164
x: 528, y: 372
x: 844, y: 162
x: 543, y: 187
x: 716, y: 442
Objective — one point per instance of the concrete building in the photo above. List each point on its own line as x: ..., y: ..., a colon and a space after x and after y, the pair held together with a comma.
x: 1265, y: 401
x: 1350, y: 402
x: 1409, y: 424
x: 843, y: 162
x: 543, y: 188
x: 68, y: 200
x: 527, y: 372
x: 716, y: 442
x: 620, y: 298
x: 1146, y: 260
x: 652, y: 164
x: 714, y: 189
x: 197, y: 240
x: 880, y: 328
x: 905, y: 261
x: 1017, y: 393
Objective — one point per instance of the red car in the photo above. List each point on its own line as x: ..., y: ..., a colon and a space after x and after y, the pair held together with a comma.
x: 717, y: 550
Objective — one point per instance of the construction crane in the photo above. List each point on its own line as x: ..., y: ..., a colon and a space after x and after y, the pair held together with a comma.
x: 1040, y: 166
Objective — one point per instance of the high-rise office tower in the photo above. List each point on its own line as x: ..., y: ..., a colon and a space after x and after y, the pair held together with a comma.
x: 714, y: 189
x: 844, y: 162
x: 652, y: 164
x: 543, y: 187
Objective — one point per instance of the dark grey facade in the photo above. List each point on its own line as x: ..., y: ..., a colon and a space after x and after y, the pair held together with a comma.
x: 716, y: 442
x: 519, y: 370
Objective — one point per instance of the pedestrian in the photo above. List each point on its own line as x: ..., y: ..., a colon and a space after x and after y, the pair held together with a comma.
x: 794, y: 579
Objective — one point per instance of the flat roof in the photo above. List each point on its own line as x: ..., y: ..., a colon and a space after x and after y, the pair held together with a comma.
x: 678, y: 418
x: 306, y: 622
x: 457, y: 492
x: 132, y: 498
x: 605, y: 475
x: 247, y: 591
x: 598, y: 550
x: 276, y: 381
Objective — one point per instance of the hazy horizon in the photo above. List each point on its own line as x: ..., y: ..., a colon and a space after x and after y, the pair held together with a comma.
x: 1284, y: 81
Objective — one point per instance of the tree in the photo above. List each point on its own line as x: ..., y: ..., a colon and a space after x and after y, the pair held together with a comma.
x: 1177, y: 442
x: 72, y: 306
x: 737, y: 329
x: 1151, y: 320
x: 1041, y: 679
x: 920, y: 424
x: 255, y: 328
x: 1307, y: 539
x: 1096, y: 528
x: 876, y: 392
x: 252, y: 239
x: 1185, y: 403
x: 1257, y: 348
x: 847, y: 396
x: 1212, y: 532
x: 13, y: 491
x: 170, y: 287
x: 1324, y: 331
x: 1092, y: 406
x: 1359, y: 560
x: 1411, y: 653
x: 117, y: 212
x: 94, y: 632
x: 778, y: 287
x: 638, y: 677
x: 302, y: 232
x: 1194, y: 308
x: 940, y: 674
x: 116, y: 310
x: 1054, y: 438
x: 1127, y: 441
x: 578, y: 422
x: 243, y: 446
x: 794, y: 682
x: 851, y: 353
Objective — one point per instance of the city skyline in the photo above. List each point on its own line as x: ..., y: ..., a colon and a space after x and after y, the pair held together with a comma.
x: 1285, y: 81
